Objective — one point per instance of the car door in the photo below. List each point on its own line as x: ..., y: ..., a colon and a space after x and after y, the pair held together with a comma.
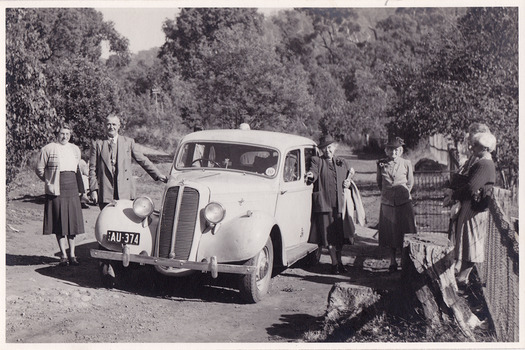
x: 294, y: 200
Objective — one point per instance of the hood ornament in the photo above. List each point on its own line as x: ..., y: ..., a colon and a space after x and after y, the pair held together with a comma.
x: 241, y: 201
x: 181, y: 182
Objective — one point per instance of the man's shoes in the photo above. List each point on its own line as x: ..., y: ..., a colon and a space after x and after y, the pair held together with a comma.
x: 392, y: 268
x: 63, y: 262
x: 84, y: 202
x: 335, y: 270
x: 73, y: 261
x: 342, y: 268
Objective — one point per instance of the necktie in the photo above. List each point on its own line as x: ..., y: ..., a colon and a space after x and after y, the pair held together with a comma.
x: 113, y: 153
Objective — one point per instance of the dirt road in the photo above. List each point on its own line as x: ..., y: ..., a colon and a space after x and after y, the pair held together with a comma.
x: 46, y: 303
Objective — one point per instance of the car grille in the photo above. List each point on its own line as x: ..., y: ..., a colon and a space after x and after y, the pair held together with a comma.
x: 187, y: 217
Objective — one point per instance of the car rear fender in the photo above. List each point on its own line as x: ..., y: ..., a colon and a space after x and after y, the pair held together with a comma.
x: 119, y: 216
x: 238, y: 239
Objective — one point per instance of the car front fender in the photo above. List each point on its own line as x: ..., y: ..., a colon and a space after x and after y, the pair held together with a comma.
x: 239, y: 239
x: 119, y: 216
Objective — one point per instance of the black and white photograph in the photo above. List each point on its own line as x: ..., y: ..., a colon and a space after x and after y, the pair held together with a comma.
x: 250, y: 175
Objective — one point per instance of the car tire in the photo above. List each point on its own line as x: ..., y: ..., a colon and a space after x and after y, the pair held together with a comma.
x: 255, y: 286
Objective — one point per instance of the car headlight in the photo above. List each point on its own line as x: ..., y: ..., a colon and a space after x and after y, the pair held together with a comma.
x: 214, y: 212
x: 143, y: 207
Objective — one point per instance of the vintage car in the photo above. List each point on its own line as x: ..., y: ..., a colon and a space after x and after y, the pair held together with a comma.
x: 236, y: 202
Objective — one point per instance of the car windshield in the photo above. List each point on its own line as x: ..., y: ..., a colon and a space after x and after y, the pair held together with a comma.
x: 217, y: 155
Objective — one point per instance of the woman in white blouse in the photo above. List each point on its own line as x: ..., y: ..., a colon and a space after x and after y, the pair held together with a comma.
x: 58, y: 168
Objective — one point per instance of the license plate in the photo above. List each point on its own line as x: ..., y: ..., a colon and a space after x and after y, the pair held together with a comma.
x: 132, y: 238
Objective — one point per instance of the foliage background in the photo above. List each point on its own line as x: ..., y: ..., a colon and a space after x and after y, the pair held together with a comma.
x: 360, y: 74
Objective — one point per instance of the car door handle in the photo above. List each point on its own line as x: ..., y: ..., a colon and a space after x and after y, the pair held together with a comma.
x: 284, y: 191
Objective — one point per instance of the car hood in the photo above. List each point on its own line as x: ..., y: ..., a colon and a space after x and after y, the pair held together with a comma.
x: 220, y: 182
x: 235, y: 191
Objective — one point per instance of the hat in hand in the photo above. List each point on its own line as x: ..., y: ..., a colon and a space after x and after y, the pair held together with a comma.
x: 325, y: 141
x: 395, y: 142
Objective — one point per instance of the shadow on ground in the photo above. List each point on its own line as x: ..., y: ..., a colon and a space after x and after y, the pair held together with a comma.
x: 40, y: 199
x: 294, y: 326
x: 141, y: 280
x: 28, y: 260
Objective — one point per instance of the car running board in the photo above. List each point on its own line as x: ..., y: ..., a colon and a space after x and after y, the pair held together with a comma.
x: 296, y: 253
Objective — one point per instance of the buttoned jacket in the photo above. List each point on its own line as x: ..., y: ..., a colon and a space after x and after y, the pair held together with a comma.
x: 320, y: 198
x: 395, y: 179
x: 101, y: 174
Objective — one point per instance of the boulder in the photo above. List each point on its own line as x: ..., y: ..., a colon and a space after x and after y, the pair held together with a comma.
x: 348, y: 302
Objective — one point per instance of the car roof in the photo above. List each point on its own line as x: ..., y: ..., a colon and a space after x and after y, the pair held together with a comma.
x: 273, y: 139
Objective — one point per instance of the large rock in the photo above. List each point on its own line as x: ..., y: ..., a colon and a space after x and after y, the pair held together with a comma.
x: 347, y: 302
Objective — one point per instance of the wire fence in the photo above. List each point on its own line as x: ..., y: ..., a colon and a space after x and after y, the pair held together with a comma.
x: 499, y: 273
x: 427, y: 199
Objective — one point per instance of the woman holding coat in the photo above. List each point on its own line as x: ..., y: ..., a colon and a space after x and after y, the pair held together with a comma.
x: 330, y: 176
x: 395, y: 179
x: 58, y: 168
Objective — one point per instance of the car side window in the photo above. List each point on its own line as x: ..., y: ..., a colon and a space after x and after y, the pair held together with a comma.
x: 292, y: 166
x: 309, y: 152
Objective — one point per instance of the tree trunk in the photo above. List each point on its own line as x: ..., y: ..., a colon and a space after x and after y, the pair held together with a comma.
x: 428, y: 268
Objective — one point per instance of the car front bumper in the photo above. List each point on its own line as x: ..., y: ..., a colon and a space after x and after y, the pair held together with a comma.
x: 210, y: 264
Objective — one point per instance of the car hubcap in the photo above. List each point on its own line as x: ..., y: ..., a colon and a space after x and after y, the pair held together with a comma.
x: 262, y: 266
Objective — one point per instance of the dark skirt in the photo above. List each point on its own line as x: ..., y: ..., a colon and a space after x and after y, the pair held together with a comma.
x: 394, y: 222
x: 329, y: 229
x: 63, y: 213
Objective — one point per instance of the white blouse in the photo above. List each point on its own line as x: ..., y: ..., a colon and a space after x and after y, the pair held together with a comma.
x: 66, y: 158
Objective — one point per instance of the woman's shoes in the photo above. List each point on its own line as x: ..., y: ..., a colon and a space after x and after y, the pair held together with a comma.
x: 342, y: 268
x: 73, y: 261
x: 392, y: 268
x: 63, y: 262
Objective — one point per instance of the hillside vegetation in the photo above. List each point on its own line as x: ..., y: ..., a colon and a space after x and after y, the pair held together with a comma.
x: 359, y: 74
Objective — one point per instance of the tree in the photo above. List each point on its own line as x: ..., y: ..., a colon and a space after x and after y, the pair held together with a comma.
x: 31, y: 119
x: 150, y: 101
x: 343, y: 80
x: 234, y: 73
x: 83, y: 94
x: 195, y: 28
x: 410, y: 42
x: 472, y: 78
x: 492, y: 52
x: 334, y: 29
x: 53, y: 67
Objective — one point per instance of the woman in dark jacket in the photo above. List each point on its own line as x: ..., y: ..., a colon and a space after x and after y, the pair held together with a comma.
x: 330, y: 176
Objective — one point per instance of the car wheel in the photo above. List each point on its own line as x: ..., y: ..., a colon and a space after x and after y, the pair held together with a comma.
x: 255, y: 286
